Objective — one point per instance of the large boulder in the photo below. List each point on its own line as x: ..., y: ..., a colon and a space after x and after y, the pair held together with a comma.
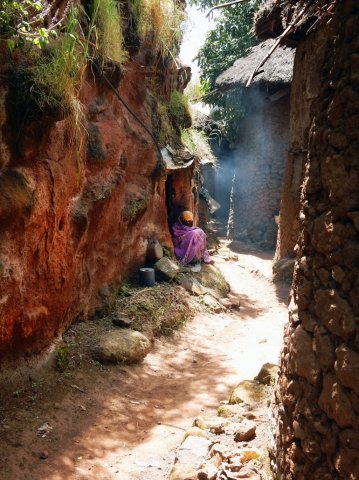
x: 121, y: 346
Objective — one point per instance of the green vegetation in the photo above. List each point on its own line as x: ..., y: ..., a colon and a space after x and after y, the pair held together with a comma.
x: 229, y: 40
x: 156, y: 311
x: 172, y: 117
x: 195, y: 90
x: 62, y: 359
x: 165, y: 131
x: 23, y: 21
x: 134, y: 208
x: 159, y: 24
x: 55, y: 74
x: 49, y: 78
x: 198, y: 144
x: 179, y: 109
x: 107, y: 30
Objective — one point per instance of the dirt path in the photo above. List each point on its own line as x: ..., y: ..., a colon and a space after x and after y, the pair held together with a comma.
x: 125, y: 423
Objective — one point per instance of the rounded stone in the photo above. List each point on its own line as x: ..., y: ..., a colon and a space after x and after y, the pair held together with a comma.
x: 121, y: 346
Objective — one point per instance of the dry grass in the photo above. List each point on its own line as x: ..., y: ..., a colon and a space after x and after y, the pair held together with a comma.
x: 197, y: 143
x: 159, y: 24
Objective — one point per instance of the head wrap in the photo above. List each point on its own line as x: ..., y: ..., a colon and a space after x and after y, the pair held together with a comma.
x: 187, y: 216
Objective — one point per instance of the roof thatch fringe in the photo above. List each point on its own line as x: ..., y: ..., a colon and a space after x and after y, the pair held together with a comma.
x: 274, y: 16
x: 277, y: 71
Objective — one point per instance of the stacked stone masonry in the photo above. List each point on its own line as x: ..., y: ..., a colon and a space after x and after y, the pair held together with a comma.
x: 259, y: 173
x: 317, y: 396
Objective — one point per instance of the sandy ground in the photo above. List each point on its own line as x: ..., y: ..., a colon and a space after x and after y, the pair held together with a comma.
x: 125, y: 423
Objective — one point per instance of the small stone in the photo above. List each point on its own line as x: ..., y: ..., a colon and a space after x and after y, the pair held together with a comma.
x: 248, y: 473
x: 249, y: 415
x: 193, y: 451
x: 212, y: 303
x: 234, y: 467
x: 248, y: 392
x: 268, y: 374
x: 235, y: 303
x: 220, y: 452
x: 166, y: 269
x: 182, y: 472
x: 228, y: 411
x: 226, y: 302
x: 44, y: 455
x: 195, y: 432
x: 119, y: 321
x: 247, y: 454
x: 208, y: 471
x: 215, y: 425
x: 191, y: 284
x: 246, y: 431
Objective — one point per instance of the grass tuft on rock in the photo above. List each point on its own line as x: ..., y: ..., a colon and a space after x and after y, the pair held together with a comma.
x: 158, y: 310
x: 159, y: 24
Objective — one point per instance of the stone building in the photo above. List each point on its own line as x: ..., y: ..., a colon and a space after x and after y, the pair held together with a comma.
x: 316, y: 406
x: 261, y: 148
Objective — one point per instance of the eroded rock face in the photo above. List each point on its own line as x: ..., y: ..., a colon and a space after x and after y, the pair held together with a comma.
x: 69, y: 229
x: 317, y: 395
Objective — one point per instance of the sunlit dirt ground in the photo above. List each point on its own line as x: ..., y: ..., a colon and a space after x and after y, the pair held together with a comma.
x: 125, y: 423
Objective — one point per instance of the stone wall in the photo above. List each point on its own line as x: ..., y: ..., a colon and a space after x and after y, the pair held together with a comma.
x: 317, y: 395
x: 304, y: 91
x: 259, y: 166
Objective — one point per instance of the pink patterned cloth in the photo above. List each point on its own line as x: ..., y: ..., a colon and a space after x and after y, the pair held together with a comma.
x: 190, y: 244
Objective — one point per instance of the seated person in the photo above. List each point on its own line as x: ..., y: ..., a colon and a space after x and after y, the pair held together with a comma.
x: 189, y: 241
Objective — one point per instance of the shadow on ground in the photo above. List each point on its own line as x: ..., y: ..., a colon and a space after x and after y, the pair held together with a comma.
x: 98, y: 413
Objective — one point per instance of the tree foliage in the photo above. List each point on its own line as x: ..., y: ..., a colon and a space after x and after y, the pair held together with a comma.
x: 229, y: 40
x: 22, y: 21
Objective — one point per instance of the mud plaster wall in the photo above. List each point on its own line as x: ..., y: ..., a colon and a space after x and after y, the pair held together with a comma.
x: 181, y: 193
x: 64, y: 236
x: 259, y: 165
x: 316, y: 412
x: 304, y: 90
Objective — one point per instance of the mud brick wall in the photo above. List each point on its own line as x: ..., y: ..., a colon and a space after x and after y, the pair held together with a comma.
x: 316, y: 412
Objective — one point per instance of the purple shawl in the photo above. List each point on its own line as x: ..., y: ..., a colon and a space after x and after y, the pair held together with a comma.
x: 189, y: 243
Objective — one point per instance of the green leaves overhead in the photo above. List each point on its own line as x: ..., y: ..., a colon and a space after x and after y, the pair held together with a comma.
x: 22, y: 21
x: 229, y: 40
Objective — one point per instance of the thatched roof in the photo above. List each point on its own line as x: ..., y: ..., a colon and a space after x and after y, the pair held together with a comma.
x: 274, y: 16
x: 277, y: 71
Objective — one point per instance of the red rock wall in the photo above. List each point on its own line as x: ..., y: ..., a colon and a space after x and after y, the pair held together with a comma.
x: 317, y: 396
x: 66, y: 234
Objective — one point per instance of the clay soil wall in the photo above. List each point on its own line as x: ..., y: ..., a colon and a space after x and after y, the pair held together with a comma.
x: 73, y: 225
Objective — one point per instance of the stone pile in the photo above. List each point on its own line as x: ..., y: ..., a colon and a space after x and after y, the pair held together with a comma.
x: 225, y: 447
